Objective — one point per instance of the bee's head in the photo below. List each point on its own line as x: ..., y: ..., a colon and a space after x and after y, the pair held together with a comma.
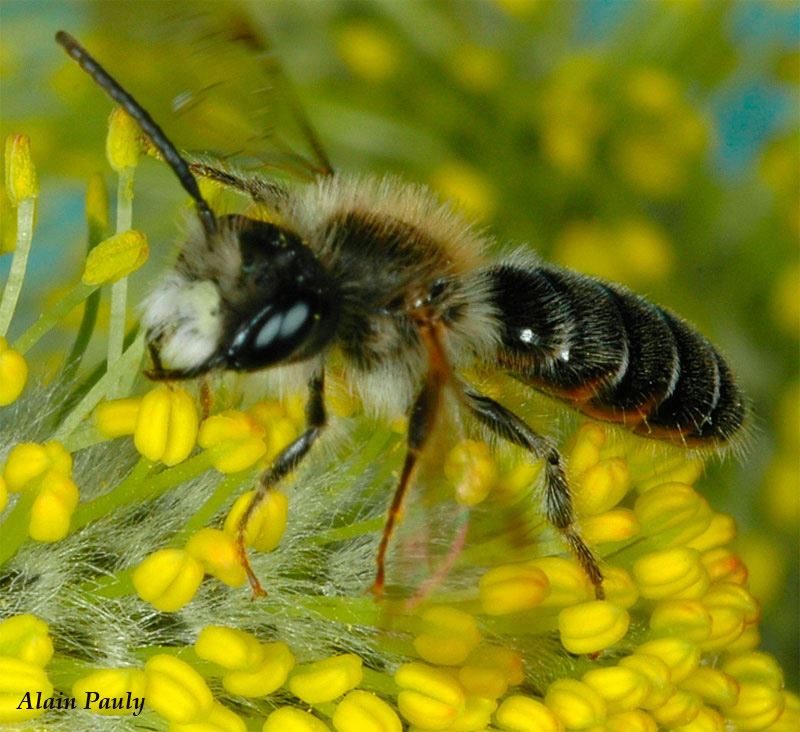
x: 245, y: 294
x: 249, y: 296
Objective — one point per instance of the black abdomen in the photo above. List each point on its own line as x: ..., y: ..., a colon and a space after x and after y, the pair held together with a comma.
x: 613, y: 355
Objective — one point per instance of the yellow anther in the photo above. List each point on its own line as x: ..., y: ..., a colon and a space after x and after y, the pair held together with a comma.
x: 675, y: 574
x: 266, y: 524
x: 105, y: 691
x: 576, y: 705
x: 789, y: 721
x: 236, y: 439
x: 166, y: 427
x: 621, y: 687
x: 482, y: 681
x: 731, y: 595
x: 657, y: 674
x: 707, y: 720
x: 122, y: 143
x: 27, y: 638
x: 115, y: 258
x: 727, y: 624
x: 714, y: 686
x: 327, y: 679
x: 168, y: 579
x: 523, y: 714
x: 592, y: 626
x: 117, y: 417
x: 635, y: 720
x: 748, y: 641
x: 721, y: 530
x: 619, y: 524
x: 601, y: 487
x: 230, y: 648
x: 758, y: 706
x: 680, y: 656
x: 430, y: 697
x: 28, y: 462
x: 651, y: 473
x: 471, y: 470
x: 53, y: 507
x: 512, y: 587
x: 175, y: 690
x: 21, y: 181
x: 680, y: 709
x: 586, y: 452
x: 361, y: 711
x: 476, y: 715
x: 219, y: 719
x: 367, y: 50
x: 267, y: 411
x: 267, y: 677
x: 619, y: 587
x: 218, y: 553
x: 448, y: 636
x: 20, y: 683
x: 755, y: 667
x: 688, y: 619
x: 675, y: 508
x: 723, y: 566
x: 490, y: 670
x: 13, y: 373
x: 568, y: 583
x: 3, y: 494
x: 291, y: 719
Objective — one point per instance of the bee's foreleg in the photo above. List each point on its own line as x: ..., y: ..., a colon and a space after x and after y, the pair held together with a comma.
x: 286, y: 461
x: 557, y: 499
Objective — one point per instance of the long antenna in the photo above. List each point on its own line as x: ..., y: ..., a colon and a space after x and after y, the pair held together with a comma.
x: 168, y: 151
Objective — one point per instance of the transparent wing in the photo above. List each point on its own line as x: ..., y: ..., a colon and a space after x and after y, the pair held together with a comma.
x: 209, y: 74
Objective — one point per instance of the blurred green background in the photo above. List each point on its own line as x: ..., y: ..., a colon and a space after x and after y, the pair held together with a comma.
x: 652, y: 143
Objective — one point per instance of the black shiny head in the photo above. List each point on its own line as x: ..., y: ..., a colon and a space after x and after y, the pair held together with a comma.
x: 273, y: 302
x: 284, y: 306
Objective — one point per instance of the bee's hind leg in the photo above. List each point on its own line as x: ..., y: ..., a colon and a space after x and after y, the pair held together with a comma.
x: 557, y: 499
x: 286, y: 461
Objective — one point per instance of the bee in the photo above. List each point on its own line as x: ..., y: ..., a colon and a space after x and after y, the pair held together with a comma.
x: 401, y: 286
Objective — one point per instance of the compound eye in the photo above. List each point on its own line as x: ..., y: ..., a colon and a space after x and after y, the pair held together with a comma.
x: 271, y: 336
